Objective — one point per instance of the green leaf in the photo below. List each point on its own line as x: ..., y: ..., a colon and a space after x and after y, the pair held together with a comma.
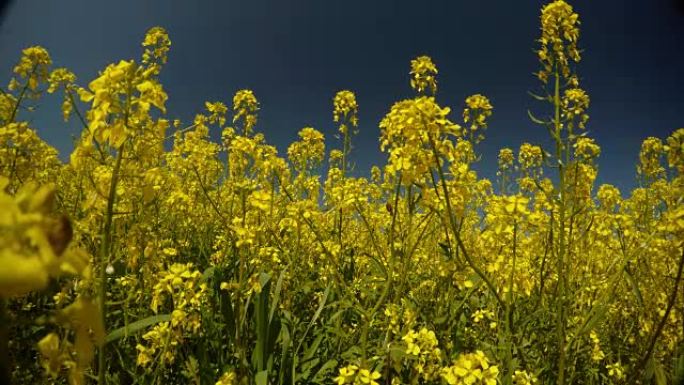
x: 679, y: 369
x: 311, y: 350
x: 136, y: 327
x: 264, y: 278
x: 286, y: 359
x: 273, y: 332
x: 660, y: 377
x: 276, y: 294
x: 539, y: 97
x: 377, y: 264
x: 635, y: 287
x: 227, y: 312
x: 321, y: 305
x: 208, y: 274
x: 323, y: 371
x: 261, y: 351
x: 650, y: 369
x: 261, y: 378
x: 535, y: 119
x: 307, y: 366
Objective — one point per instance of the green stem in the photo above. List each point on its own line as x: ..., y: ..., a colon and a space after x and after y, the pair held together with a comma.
x: 345, y: 149
x: 390, y: 272
x: 104, y: 259
x: 84, y: 124
x: 508, y: 379
x: 454, y: 229
x: 661, y: 324
x: 561, y: 233
x: 4, y: 344
x: 21, y: 96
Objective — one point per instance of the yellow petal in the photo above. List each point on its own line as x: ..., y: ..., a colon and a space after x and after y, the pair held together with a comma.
x: 21, y: 274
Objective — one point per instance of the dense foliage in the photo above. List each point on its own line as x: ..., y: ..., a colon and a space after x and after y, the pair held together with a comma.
x: 155, y: 255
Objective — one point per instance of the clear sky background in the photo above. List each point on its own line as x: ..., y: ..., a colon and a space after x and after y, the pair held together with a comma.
x: 296, y: 55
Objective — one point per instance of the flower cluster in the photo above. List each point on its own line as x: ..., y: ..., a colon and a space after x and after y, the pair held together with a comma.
x: 650, y: 158
x: 522, y: 377
x: 505, y: 159
x: 586, y: 149
x: 413, y: 130
x: 181, y: 283
x: 423, y: 74
x: 33, y: 67
x: 574, y: 108
x: 675, y: 150
x: 530, y: 158
x: 157, y: 45
x: 352, y: 374
x: 307, y: 153
x: 560, y: 33
x: 478, y: 109
x: 245, y: 107
x: 228, y: 378
x: 471, y: 369
x: 65, y: 79
x: 34, y: 242
x: 345, y: 109
x: 426, y: 356
x: 297, y: 268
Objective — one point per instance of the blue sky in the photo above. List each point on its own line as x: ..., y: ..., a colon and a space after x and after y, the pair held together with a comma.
x: 296, y: 54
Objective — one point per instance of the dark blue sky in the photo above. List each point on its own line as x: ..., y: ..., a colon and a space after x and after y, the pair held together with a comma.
x: 296, y: 54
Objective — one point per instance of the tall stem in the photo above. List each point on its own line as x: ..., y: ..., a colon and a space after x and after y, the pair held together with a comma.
x: 390, y: 272
x: 508, y: 379
x: 4, y: 344
x: 561, y: 232
x: 21, y: 96
x: 659, y: 329
x: 345, y: 149
x: 454, y: 227
x: 104, y: 258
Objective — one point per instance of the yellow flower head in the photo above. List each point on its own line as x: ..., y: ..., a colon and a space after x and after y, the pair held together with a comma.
x: 33, y: 66
x: 608, y: 196
x: 616, y: 370
x: 60, y: 77
x: 574, y: 108
x: 368, y: 377
x: 52, y: 355
x: 471, y: 369
x: 410, y: 129
x: 245, y: 106
x: 309, y: 152
x: 516, y: 205
x: 345, y: 108
x: 346, y: 374
x: 560, y: 33
x: 63, y: 78
x: 33, y: 245
x: 478, y: 109
x: 423, y: 74
x: 157, y: 45
x: 530, y: 156
x: 217, y: 112
x: 675, y: 150
x: 522, y: 377
x: 228, y: 378
x: 505, y: 159
x: 586, y: 148
x: 650, y: 158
